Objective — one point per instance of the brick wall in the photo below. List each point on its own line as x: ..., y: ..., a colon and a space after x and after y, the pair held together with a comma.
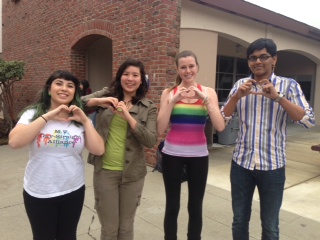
x: 50, y: 35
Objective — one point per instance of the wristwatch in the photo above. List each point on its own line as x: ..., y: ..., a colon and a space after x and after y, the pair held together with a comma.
x: 281, y: 95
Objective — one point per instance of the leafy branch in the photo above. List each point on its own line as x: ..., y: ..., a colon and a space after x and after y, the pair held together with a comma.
x: 10, y: 72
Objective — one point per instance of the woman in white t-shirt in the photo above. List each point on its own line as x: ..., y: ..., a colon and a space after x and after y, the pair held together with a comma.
x: 56, y: 131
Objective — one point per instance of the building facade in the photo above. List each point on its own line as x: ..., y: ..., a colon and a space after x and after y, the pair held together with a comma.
x: 92, y: 38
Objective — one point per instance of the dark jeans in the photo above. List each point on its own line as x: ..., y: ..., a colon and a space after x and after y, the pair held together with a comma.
x: 197, y: 170
x: 55, y: 218
x: 270, y: 186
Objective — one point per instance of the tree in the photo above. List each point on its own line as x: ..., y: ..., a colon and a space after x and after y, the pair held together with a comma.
x: 10, y: 72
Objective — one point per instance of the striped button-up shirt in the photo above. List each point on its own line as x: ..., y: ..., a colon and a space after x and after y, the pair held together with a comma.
x: 261, y: 142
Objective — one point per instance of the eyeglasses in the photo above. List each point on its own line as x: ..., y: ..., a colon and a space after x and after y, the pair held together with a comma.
x: 262, y: 58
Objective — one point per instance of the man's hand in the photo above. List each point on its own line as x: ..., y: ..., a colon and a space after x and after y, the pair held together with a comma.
x: 268, y: 89
x: 245, y: 89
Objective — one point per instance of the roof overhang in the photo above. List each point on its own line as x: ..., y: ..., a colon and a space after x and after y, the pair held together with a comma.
x: 255, y: 13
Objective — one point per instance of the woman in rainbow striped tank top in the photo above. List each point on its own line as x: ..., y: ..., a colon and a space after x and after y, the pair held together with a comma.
x: 186, y: 106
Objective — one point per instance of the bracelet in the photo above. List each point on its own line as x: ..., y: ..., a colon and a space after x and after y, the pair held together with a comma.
x: 206, y: 101
x: 44, y: 118
x: 211, y: 110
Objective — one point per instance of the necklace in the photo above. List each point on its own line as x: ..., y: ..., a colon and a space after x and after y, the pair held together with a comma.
x: 128, y: 103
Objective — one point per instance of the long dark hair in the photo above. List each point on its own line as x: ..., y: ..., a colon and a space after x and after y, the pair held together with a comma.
x: 44, y: 102
x: 85, y: 86
x: 183, y: 54
x: 115, y: 88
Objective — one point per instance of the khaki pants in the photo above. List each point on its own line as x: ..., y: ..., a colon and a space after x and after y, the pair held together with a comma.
x: 116, y: 204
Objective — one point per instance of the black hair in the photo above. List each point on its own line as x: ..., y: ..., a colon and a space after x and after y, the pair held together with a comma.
x: 44, y: 102
x: 115, y: 88
x: 262, y: 43
x: 85, y: 84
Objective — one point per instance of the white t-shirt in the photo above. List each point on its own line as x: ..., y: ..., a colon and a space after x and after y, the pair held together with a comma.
x: 55, y: 165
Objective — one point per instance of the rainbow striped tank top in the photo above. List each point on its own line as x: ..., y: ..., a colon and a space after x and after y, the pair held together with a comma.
x: 186, y: 137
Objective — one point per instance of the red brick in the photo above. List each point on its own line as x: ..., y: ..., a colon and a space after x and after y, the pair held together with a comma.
x: 51, y: 35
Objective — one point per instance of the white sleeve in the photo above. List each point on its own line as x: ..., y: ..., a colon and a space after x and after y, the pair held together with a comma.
x: 26, y: 117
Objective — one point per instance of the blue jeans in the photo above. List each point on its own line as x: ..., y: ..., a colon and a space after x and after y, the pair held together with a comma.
x: 270, y: 185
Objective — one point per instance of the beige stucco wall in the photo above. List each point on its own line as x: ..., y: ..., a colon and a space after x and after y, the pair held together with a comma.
x: 205, y: 21
x: 204, y: 45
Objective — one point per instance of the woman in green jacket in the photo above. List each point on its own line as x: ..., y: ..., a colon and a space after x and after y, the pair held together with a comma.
x: 126, y: 120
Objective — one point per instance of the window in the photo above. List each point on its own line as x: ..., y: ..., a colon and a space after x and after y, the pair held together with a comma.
x: 229, y: 70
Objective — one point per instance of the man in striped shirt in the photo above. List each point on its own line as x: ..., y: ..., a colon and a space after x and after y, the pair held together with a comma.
x: 263, y: 102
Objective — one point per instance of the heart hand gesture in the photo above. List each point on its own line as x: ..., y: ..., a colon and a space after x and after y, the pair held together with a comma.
x: 107, y: 102
x: 65, y: 113
x: 188, y: 93
x: 197, y: 94
x: 77, y: 114
x: 245, y: 89
x: 267, y: 89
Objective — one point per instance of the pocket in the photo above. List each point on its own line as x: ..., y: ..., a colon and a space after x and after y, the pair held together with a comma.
x: 97, y: 163
x: 143, y: 121
x: 139, y: 200
x: 137, y: 204
x: 142, y: 117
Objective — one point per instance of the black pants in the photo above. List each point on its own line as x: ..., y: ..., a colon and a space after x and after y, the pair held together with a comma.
x: 197, y: 170
x: 54, y: 218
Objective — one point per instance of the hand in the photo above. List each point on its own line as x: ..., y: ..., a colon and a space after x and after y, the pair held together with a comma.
x: 268, y: 89
x: 65, y: 113
x: 180, y: 94
x: 107, y: 102
x: 245, y: 89
x: 122, y: 110
x: 60, y: 113
x: 197, y: 93
x: 77, y: 114
x: 188, y: 93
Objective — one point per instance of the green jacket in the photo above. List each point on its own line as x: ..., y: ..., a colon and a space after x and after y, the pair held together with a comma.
x: 145, y: 135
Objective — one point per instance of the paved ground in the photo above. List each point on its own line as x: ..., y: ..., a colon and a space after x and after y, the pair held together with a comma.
x: 299, y: 218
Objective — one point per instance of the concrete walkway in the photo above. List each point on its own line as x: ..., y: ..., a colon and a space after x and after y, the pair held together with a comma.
x: 299, y: 218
